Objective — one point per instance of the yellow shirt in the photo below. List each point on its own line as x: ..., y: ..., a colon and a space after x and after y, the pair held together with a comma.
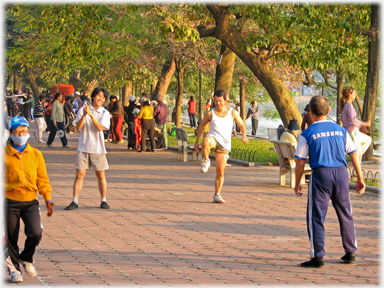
x: 25, y: 174
x: 146, y: 112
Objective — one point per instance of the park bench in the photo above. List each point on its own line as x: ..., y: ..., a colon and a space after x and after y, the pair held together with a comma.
x: 183, y: 147
x: 286, y: 150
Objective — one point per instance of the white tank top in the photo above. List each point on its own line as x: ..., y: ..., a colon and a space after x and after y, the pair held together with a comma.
x: 221, y: 129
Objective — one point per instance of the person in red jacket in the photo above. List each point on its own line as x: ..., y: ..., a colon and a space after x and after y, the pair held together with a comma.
x: 192, y: 112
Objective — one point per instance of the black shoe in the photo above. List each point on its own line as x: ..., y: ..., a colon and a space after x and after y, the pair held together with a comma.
x: 348, y: 258
x: 72, y: 206
x: 104, y: 205
x: 315, y: 263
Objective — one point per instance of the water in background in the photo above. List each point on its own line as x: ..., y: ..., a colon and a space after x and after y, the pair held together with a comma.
x: 264, y: 124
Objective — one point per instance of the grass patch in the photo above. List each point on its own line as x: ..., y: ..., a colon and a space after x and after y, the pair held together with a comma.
x: 254, y: 151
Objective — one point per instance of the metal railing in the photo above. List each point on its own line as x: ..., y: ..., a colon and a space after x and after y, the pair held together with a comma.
x: 370, y: 178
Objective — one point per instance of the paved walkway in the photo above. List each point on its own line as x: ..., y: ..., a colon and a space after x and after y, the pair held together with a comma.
x: 163, y: 229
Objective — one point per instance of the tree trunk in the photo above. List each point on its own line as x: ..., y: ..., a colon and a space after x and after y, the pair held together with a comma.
x: 15, y: 82
x: 224, y: 69
x: 153, y: 86
x: 31, y: 80
x: 372, y: 82
x: 201, y: 112
x: 165, y: 78
x: 359, y: 105
x: 125, y: 95
x: 232, y: 38
x: 180, y: 89
x: 339, y: 91
x: 75, y: 79
x: 242, y: 99
x: 89, y: 86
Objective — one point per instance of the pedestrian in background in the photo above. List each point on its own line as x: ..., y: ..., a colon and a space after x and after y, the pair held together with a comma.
x: 192, y: 112
x: 117, y: 112
x: 352, y: 124
x: 147, y: 123
x: 160, y: 115
x: 57, y: 121
x: 253, y: 112
x: 38, y: 113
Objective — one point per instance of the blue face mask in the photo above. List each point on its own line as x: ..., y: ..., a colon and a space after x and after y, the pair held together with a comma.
x: 20, y: 140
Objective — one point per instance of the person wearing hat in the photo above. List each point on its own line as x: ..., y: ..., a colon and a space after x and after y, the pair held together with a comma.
x: 20, y: 186
x: 147, y: 123
x: 129, y: 118
x: 77, y: 99
x: 291, y: 134
x: 161, y: 118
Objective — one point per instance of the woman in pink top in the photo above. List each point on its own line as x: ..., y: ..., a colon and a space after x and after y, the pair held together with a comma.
x: 352, y: 124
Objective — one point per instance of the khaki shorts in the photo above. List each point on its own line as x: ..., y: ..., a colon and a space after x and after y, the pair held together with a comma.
x: 219, y: 148
x: 86, y: 161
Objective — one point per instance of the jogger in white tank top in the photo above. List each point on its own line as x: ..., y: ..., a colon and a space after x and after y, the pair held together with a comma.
x: 218, y: 138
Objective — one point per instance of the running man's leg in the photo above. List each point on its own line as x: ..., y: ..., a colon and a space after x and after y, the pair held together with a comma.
x: 208, y: 144
x: 221, y: 161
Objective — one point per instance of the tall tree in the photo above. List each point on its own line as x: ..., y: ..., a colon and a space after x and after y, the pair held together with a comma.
x: 372, y: 82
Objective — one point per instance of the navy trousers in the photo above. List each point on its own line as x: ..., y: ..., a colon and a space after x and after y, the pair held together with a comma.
x: 329, y: 184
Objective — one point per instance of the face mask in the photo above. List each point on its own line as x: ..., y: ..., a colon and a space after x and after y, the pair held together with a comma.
x: 20, y: 140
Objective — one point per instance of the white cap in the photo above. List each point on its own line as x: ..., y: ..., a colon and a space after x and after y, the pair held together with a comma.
x: 136, y: 110
x: 77, y: 93
x: 132, y: 98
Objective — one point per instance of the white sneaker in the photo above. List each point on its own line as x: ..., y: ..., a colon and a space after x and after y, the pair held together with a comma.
x: 205, y: 164
x: 218, y: 199
x: 16, y: 276
x: 29, y: 269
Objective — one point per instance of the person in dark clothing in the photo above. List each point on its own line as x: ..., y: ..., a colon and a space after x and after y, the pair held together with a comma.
x: 117, y: 111
x: 129, y: 119
x: 69, y: 113
x: 254, y: 112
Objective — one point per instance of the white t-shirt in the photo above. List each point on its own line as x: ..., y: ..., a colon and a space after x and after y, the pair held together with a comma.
x: 91, y: 140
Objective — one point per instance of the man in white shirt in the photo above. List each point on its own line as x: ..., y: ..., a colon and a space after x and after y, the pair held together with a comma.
x: 91, y: 120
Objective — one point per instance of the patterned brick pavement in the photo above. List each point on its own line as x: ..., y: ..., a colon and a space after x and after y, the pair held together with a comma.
x: 163, y: 229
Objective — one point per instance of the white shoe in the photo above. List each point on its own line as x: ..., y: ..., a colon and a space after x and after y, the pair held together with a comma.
x: 29, y: 269
x: 41, y: 141
x: 16, y: 276
x: 218, y: 199
x: 205, y: 164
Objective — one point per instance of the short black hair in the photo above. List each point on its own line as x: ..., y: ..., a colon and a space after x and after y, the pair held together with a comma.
x: 220, y: 93
x: 97, y: 90
x: 319, y: 105
x: 42, y: 97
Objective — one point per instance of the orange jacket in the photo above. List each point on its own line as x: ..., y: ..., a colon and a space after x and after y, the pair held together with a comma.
x: 25, y: 174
